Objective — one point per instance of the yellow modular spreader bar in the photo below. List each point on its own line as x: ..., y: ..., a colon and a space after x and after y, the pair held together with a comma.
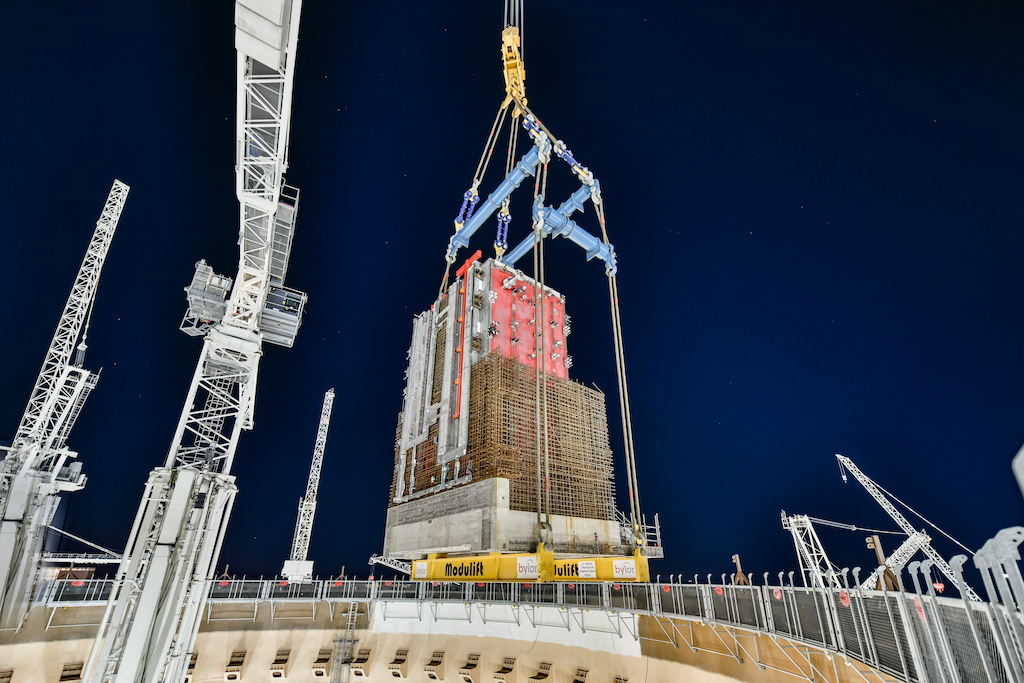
x: 538, y: 567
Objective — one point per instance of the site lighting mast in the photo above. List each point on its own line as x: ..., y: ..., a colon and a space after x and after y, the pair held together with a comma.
x: 297, y: 567
x: 38, y: 465
x: 148, y: 631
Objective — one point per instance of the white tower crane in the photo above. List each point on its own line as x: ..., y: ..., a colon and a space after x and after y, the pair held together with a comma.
x: 298, y: 568
x: 916, y: 540
x: 37, y: 468
x: 149, y: 627
x: 816, y: 569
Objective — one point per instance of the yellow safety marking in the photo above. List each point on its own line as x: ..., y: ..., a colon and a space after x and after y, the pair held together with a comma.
x: 538, y: 567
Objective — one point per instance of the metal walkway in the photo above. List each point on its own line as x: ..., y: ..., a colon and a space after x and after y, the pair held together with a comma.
x: 914, y: 636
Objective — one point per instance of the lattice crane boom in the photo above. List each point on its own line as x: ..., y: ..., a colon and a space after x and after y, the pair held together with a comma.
x: 898, y: 559
x: 307, y: 505
x: 35, y: 469
x: 148, y: 630
x: 39, y: 413
x: 875, y: 492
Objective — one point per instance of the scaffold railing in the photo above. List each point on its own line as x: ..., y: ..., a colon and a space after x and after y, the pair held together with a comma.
x: 912, y: 635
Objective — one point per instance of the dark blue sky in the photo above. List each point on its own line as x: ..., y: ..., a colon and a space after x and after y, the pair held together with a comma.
x: 817, y: 210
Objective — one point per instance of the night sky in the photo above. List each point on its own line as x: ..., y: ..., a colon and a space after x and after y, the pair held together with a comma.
x: 817, y: 210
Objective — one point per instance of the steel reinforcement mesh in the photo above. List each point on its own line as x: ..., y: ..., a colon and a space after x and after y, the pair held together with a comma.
x: 398, y: 444
x: 502, y: 439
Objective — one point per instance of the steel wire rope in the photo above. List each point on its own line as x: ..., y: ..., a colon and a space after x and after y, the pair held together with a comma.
x: 543, y: 360
x: 852, y: 527
x: 541, y: 439
x: 519, y: 25
x: 510, y: 162
x: 513, y: 142
x: 536, y: 336
x: 627, y: 423
x: 82, y: 345
x: 513, y: 17
x: 634, y: 493
x: 492, y: 139
x: 922, y: 517
x: 481, y: 169
x: 915, y: 512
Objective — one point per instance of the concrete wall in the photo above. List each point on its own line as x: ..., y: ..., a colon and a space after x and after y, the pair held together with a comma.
x: 461, y: 516
x: 570, y: 534
x: 478, y: 515
x: 539, y: 635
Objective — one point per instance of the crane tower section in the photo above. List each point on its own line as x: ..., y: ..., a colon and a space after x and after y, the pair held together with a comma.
x: 38, y: 465
x: 298, y: 568
x: 916, y: 540
x: 149, y: 628
x: 816, y: 569
x: 465, y: 447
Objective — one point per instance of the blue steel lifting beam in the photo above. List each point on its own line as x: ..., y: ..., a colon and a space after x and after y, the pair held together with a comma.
x: 558, y: 222
x: 526, y: 166
x: 555, y: 221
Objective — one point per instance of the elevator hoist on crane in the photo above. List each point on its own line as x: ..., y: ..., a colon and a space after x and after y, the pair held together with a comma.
x: 149, y: 627
x: 485, y: 286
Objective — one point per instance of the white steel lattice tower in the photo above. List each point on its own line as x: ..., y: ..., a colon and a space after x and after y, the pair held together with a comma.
x: 816, y: 569
x: 36, y: 468
x: 298, y: 567
x: 147, y: 634
x: 916, y: 540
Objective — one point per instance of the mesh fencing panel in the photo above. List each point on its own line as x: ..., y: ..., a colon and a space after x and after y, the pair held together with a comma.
x: 854, y: 635
x: 964, y: 648
x: 888, y: 637
x: 746, y: 606
x: 809, y: 613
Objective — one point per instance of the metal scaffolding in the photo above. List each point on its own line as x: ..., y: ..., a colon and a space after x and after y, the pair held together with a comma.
x: 502, y: 441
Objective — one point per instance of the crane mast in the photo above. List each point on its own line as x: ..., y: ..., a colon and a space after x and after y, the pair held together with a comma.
x: 915, y: 539
x: 298, y: 567
x: 149, y: 627
x: 816, y: 569
x: 36, y: 468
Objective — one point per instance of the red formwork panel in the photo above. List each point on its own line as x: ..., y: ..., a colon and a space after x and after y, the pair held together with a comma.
x: 513, y: 314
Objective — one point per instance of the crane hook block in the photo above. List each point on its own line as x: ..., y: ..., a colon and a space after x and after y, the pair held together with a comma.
x: 514, y: 72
